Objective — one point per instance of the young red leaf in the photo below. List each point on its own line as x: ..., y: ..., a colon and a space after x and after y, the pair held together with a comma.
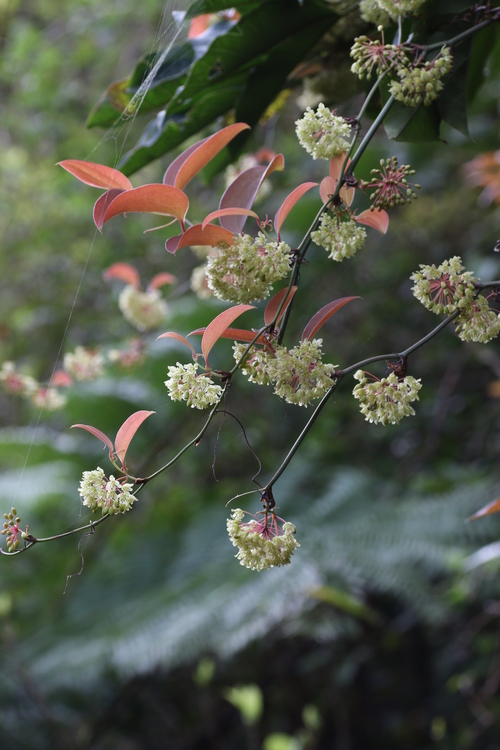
x: 206, y: 152
x: 243, y: 190
x: 493, y: 507
x: 379, y: 220
x: 327, y: 188
x: 127, y: 432
x: 236, y: 334
x: 275, y: 302
x: 171, y: 173
x: 61, y: 379
x: 160, y: 280
x: 322, y: 316
x: 177, y: 337
x: 229, y: 212
x: 336, y: 165
x: 289, y: 203
x: 153, y: 199
x: 102, y: 204
x: 219, y: 324
x: 96, y: 175
x: 211, y: 235
x: 172, y: 244
x: 123, y: 271
x: 98, y: 434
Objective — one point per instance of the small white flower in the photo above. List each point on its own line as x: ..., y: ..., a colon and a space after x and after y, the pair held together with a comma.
x: 388, y: 400
x: 422, y: 84
x: 144, y: 310
x: 49, y: 398
x: 340, y: 239
x: 478, y: 322
x: 396, y: 8
x: 322, y: 133
x: 110, y: 495
x: 199, y: 282
x: 16, y: 383
x: 299, y: 376
x: 84, y: 364
x: 445, y: 288
x: 262, y: 543
x: 197, y: 390
x: 255, y: 363
x: 371, y: 12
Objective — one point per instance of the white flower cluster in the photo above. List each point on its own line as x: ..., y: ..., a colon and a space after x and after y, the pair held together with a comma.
x: 110, y: 495
x: 478, y: 322
x: 396, y: 8
x: 197, y: 390
x: 199, y: 282
x: 299, y: 376
x: 445, y: 288
x: 49, y: 399
x: 422, y: 84
x: 16, y: 383
x: 388, y: 400
x: 260, y: 546
x: 322, y: 133
x: 371, y: 12
x: 341, y: 239
x: 84, y: 364
x: 246, y: 270
x: 144, y: 310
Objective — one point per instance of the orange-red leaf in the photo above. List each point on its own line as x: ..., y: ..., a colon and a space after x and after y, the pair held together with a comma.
x: 336, y: 165
x: 229, y: 212
x: 127, y: 432
x: 236, y: 334
x: 153, y: 199
x: 96, y: 175
x: 98, y: 434
x: 275, y: 302
x: 322, y: 316
x: 205, y: 152
x: 219, y: 324
x: 171, y: 173
x: 102, y: 204
x: 289, y: 203
x: 211, y: 235
x: 493, y: 507
x: 123, y: 271
x: 379, y: 220
x: 177, y: 337
x: 160, y: 280
x: 172, y: 244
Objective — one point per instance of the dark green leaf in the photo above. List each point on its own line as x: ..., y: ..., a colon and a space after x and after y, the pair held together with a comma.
x: 482, y: 45
x: 452, y: 102
x: 212, y: 6
x: 410, y: 124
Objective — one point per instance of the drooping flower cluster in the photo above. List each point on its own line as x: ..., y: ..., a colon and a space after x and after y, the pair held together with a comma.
x: 246, y: 270
x: 12, y: 530
x: 84, y: 364
x: 110, y: 495
x: 396, y: 8
x: 478, y: 322
x: 371, y: 12
x: 299, y: 376
x: 372, y: 54
x: 390, y: 185
x: 322, y: 133
x: 262, y: 543
x: 25, y: 386
x: 341, y: 239
x: 197, y: 390
x: 445, y: 288
x: 144, y: 310
x: 422, y: 83
x: 388, y: 400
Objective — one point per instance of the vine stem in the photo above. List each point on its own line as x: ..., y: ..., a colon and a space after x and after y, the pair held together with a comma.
x: 460, y: 37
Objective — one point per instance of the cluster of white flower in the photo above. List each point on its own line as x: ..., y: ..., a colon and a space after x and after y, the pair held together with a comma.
x: 445, y: 288
x: 254, y: 364
x: 49, y: 399
x: 396, y: 8
x: 197, y: 390
x: 16, y: 383
x: 261, y: 545
x: 341, y: 239
x: 422, y: 83
x: 322, y: 133
x: 246, y: 270
x: 84, y: 364
x: 144, y: 310
x: 199, y: 282
x: 388, y: 400
x: 371, y: 12
x: 110, y: 495
x: 478, y: 322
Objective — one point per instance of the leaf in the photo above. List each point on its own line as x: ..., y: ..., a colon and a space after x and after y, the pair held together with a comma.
x: 289, y: 203
x: 345, y: 602
x: 172, y: 244
x: 410, y: 124
x: 127, y: 432
x: 211, y: 235
x: 219, y: 324
x: 98, y: 434
x: 493, y: 507
x: 274, y: 303
x: 378, y: 220
x: 96, y: 175
x: 206, y: 151
x: 123, y: 271
x: 322, y: 316
x: 229, y: 212
x: 327, y: 188
x: 243, y: 191
x: 161, y: 279
x: 177, y: 337
x: 236, y: 334
x: 61, y: 379
x: 171, y: 173
x: 336, y: 165
x: 102, y: 204
x: 154, y: 199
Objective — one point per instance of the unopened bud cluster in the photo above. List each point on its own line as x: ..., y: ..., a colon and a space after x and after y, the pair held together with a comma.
x: 390, y: 185
x: 478, y: 322
x: 262, y: 544
x: 84, y: 364
x: 388, y: 400
x: 12, y: 530
x: 184, y: 384
x: 144, y: 310
x: 372, y: 54
x: 421, y: 84
x: 322, y: 133
x: 445, y: 288
x: 246, y: 270
x: 110, y: 495
x: 341, y: 239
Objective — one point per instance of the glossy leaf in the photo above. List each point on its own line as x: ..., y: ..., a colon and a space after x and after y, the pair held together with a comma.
x: 318, y: 320
x: 161, y: 279
x: 229, y: 212
x: 102, y: 204
x: 172, y: 244
x: 211, y: 235
x: 289, y: 203
x: 123, y: 271
x: 488, y: 510
x: 274, y: 303
x: 219, y: 324
x: 378, y: 220
x: 336, y: 165
x: 177, y: 337
x: 171, y: 172
x: 98, y: 434
x: 96, y: 175
x: 236, y: 334
x: 154, y: 199
x: 127, y: 432
x: 205, y: 152
x: 327, y: 188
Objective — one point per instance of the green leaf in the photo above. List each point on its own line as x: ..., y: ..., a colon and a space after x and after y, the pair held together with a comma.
x: 346, y: 602
x: 452, y: 102
x: 482, y: 45
x: 410, y: 124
